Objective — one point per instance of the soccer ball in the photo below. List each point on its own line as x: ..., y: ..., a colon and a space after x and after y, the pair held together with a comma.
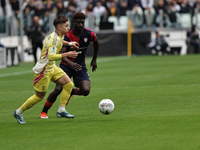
x: 106, y: 106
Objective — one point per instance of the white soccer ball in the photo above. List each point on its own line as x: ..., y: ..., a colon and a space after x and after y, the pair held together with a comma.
x: 106, y: 106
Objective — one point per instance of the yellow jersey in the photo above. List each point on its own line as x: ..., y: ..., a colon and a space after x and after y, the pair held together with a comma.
x: 49, y: 54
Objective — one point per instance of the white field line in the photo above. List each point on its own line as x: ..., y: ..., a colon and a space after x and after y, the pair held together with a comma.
x: 16, y: 73
x: 118, y: 88
x: 153, y: 86
x: 88, y: 61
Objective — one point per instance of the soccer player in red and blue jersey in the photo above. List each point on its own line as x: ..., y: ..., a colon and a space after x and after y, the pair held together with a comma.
x: 76, y: 68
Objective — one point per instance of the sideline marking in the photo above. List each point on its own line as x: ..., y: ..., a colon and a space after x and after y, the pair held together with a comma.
x: 114, y: 88
x: 153, y: 86
x: 16, y: 73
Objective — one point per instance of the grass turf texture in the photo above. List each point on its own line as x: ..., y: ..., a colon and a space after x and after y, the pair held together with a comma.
x: 156, y: 107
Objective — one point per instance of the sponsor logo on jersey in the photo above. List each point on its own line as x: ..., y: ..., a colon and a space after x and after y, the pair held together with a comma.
x: 53, y: 50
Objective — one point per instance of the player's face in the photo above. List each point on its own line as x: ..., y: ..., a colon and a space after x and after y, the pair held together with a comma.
x: 64, y: 28
x: 79, y: 24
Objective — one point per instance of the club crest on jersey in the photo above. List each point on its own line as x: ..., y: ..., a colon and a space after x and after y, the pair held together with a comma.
x: 85, y: 40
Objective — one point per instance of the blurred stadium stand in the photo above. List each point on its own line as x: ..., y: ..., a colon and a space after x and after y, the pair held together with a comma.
x: 112, y: 34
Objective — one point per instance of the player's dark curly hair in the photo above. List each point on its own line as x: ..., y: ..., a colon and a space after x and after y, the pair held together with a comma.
x: 79, y: 15
x: 60, y: 19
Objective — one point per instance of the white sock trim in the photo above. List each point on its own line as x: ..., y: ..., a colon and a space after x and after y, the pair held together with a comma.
x: 61, y: 109
x: 19, y: 111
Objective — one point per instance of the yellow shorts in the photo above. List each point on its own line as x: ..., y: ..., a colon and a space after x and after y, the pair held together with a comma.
x: 42, y: 80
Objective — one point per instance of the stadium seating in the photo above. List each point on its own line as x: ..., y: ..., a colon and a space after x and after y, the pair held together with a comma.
x: 113, y: 19
x: 184, y: 20
x: 123, y: 22
x: 196, y: 20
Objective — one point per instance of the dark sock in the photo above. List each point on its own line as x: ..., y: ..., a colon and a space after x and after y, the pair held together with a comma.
x: 47, y: 106
x: 74, y: 91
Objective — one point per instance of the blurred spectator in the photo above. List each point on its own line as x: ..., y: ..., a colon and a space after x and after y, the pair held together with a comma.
x: 49, y: 6
x: 60, y: 8
x: 73, y: 4
x: 81, y: 5
x: 94, y: 2
x: 15, y: 7
x: 31, y: 5
x: 137, y: 14
x: 69, y: 13
x: 132, y: 3
x: 39, y: 11
x: 123, y: 7
x: 191, y: 2
x: 185, y: 7
x: 3, y: 4
x: 147, y: 4
x: 38, y: 2
x: 104, y: 17
x: 179, y: 2
x: 113, y: 10
x: 161, y: 14
x: 193, y: 41
x: 173, y: 16
x: 149, y: 12
x: 196, y: 7
x: 99, y: 10
x: 46, y: 21
x: 176, y: 6
x: 105, y: 3
x: 26, y: 15
x: 36, y: 34
x: 89, y: 8
x: 167, y: 2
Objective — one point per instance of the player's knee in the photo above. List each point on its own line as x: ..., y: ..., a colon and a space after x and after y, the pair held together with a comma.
x: 68, y: 86
x: 85, y: 92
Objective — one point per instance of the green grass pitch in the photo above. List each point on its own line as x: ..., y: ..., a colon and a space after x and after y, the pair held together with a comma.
x: 157, y: 107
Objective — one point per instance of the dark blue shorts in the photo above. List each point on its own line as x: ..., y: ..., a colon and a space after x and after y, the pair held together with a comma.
x: 77, y: 75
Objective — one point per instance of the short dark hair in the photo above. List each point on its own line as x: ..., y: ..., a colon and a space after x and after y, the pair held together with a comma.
x: 60, y: 19
x: 79, y: 15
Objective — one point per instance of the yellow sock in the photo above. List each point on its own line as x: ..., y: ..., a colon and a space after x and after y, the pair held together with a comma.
x: 67, y: 88
x: 30, y: 102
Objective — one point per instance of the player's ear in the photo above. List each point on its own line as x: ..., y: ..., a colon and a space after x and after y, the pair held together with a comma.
x: 59, y: 26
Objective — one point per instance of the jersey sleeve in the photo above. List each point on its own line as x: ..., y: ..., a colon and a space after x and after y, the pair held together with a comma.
x: 52, y: 51
x: 93, y: 36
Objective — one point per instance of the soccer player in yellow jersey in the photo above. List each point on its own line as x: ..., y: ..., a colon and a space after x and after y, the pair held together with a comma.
x: 45, y: 70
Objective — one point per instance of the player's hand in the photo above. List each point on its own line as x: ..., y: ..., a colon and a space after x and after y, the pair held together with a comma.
x: 75, y: 45
x: 72, y: 54
x: 93, y: 65
x: 75, y: 66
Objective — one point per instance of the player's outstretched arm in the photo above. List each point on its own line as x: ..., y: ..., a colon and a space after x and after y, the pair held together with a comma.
x: 71, y: 54
x: 53, y: 57
x: 75, y: 66
x: 96, y: 49
x: 75, y: 44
